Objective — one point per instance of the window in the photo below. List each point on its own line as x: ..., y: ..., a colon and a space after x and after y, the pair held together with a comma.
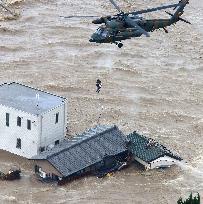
x: 19, y: 121
x: 56, y: 142
x: 41, y: 149
x: 7, y: 119
x: 29, y: 124
x: 36, y: 169
x: 18, y: 144
x: 102, y: 32
x: 98, y: 31
x: 57, y: 118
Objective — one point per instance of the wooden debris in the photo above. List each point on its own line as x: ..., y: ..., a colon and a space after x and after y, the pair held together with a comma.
x: 13, y: 15
x: 11, y: 175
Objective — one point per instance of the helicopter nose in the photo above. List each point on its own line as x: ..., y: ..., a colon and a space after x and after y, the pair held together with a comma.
x: 94, y: 37
x: 91, y: 40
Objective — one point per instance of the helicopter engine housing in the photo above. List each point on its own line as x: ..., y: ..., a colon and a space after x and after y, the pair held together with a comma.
x: 99, y: 20
x: 114, y: 24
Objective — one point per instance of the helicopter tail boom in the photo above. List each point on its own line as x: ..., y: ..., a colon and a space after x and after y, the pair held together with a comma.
x: 176, y: 16
x: 179, y: 18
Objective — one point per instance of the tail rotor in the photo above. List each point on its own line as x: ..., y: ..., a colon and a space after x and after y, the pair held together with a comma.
x: 179, y: 12
x: 179, y: 18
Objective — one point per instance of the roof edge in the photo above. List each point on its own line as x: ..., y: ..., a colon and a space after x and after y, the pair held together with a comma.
x: 13, y: 82
x: 62, y: 104
x: 20, y: 110
x: 96, y: 135
x: 98, y: 160
x: 166, y: 151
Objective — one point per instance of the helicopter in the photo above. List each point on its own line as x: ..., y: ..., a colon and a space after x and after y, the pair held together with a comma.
x: 126, y: 25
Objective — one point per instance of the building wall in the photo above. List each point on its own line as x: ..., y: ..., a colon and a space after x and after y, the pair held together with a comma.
x: 50, y: 130
x: 145, y: 164
x: 46, y: 167
x: 65, y: 117
x: 9, y: 135
x: 163, y: 162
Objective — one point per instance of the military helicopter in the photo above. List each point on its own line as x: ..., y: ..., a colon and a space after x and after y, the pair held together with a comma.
x: 124, y: 26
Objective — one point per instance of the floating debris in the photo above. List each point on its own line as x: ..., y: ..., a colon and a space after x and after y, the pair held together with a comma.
x: 10, y: 14
x: 13, y: 174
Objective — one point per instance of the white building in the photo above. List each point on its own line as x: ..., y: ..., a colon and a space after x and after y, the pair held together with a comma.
x: 31, y: 120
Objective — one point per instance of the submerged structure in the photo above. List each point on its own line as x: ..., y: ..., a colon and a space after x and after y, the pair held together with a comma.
x: 33, y: 125
x: 95, y: 149
x: 31, y: 120
x: 13, y: 174
x: 150, y: 153
x: 99, y: 151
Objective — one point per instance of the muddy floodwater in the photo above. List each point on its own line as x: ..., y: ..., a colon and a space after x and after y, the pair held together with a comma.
x: 152, y: 85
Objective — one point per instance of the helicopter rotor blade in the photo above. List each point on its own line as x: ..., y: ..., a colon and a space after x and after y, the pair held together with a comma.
x: 154, y: 9
x: 116, y: 6
x: 134, y: 24
x: 79, y: 16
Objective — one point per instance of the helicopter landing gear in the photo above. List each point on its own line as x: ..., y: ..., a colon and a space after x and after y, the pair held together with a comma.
x: 166, y: 31
x: 120, y: 45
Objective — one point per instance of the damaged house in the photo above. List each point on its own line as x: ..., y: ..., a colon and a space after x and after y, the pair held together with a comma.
x: 86, y: 153
x: 33, y: 125
x: 150, y: 153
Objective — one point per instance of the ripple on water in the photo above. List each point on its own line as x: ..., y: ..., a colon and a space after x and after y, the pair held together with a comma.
x: 192, y: 177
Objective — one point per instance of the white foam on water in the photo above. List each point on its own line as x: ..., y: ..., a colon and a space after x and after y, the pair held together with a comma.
x: 105, y: 62
x: 192, y: 177
x: 7, y: 198
x: 106, y: 59
x: 158, y: 70
x: 194, y: 171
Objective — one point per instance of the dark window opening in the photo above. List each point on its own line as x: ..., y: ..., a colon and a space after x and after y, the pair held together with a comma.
x: 55, y: 177
x: 57, y: 118
x: 19, y: 121
x: 36, y: 169
x: 56, y: 142
x: 29, y: 124
x: 41, y: 149
x: 18, y: 145
x: 7, y: 119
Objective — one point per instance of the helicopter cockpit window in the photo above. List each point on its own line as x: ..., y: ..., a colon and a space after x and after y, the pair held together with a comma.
x: 99, y: 31
x: 102, y: 32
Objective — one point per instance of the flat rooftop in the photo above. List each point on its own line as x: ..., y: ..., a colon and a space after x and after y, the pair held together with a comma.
x: 28, y: 99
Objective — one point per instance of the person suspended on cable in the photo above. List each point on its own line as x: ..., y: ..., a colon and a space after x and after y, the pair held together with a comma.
x: 98, y: 85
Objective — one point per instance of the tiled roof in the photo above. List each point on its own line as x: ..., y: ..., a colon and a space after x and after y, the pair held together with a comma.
x: 85, y: 150
x: 147, y: 149
x: 28, y: 99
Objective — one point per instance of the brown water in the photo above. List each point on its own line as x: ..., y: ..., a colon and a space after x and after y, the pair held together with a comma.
x: 152, y: 85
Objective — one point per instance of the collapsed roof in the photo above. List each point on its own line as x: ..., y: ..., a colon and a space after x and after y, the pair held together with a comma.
x: 73, y: 155
x: 148, y: 149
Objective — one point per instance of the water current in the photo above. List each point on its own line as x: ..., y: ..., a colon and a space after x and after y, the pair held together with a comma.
x: 152, y: 85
